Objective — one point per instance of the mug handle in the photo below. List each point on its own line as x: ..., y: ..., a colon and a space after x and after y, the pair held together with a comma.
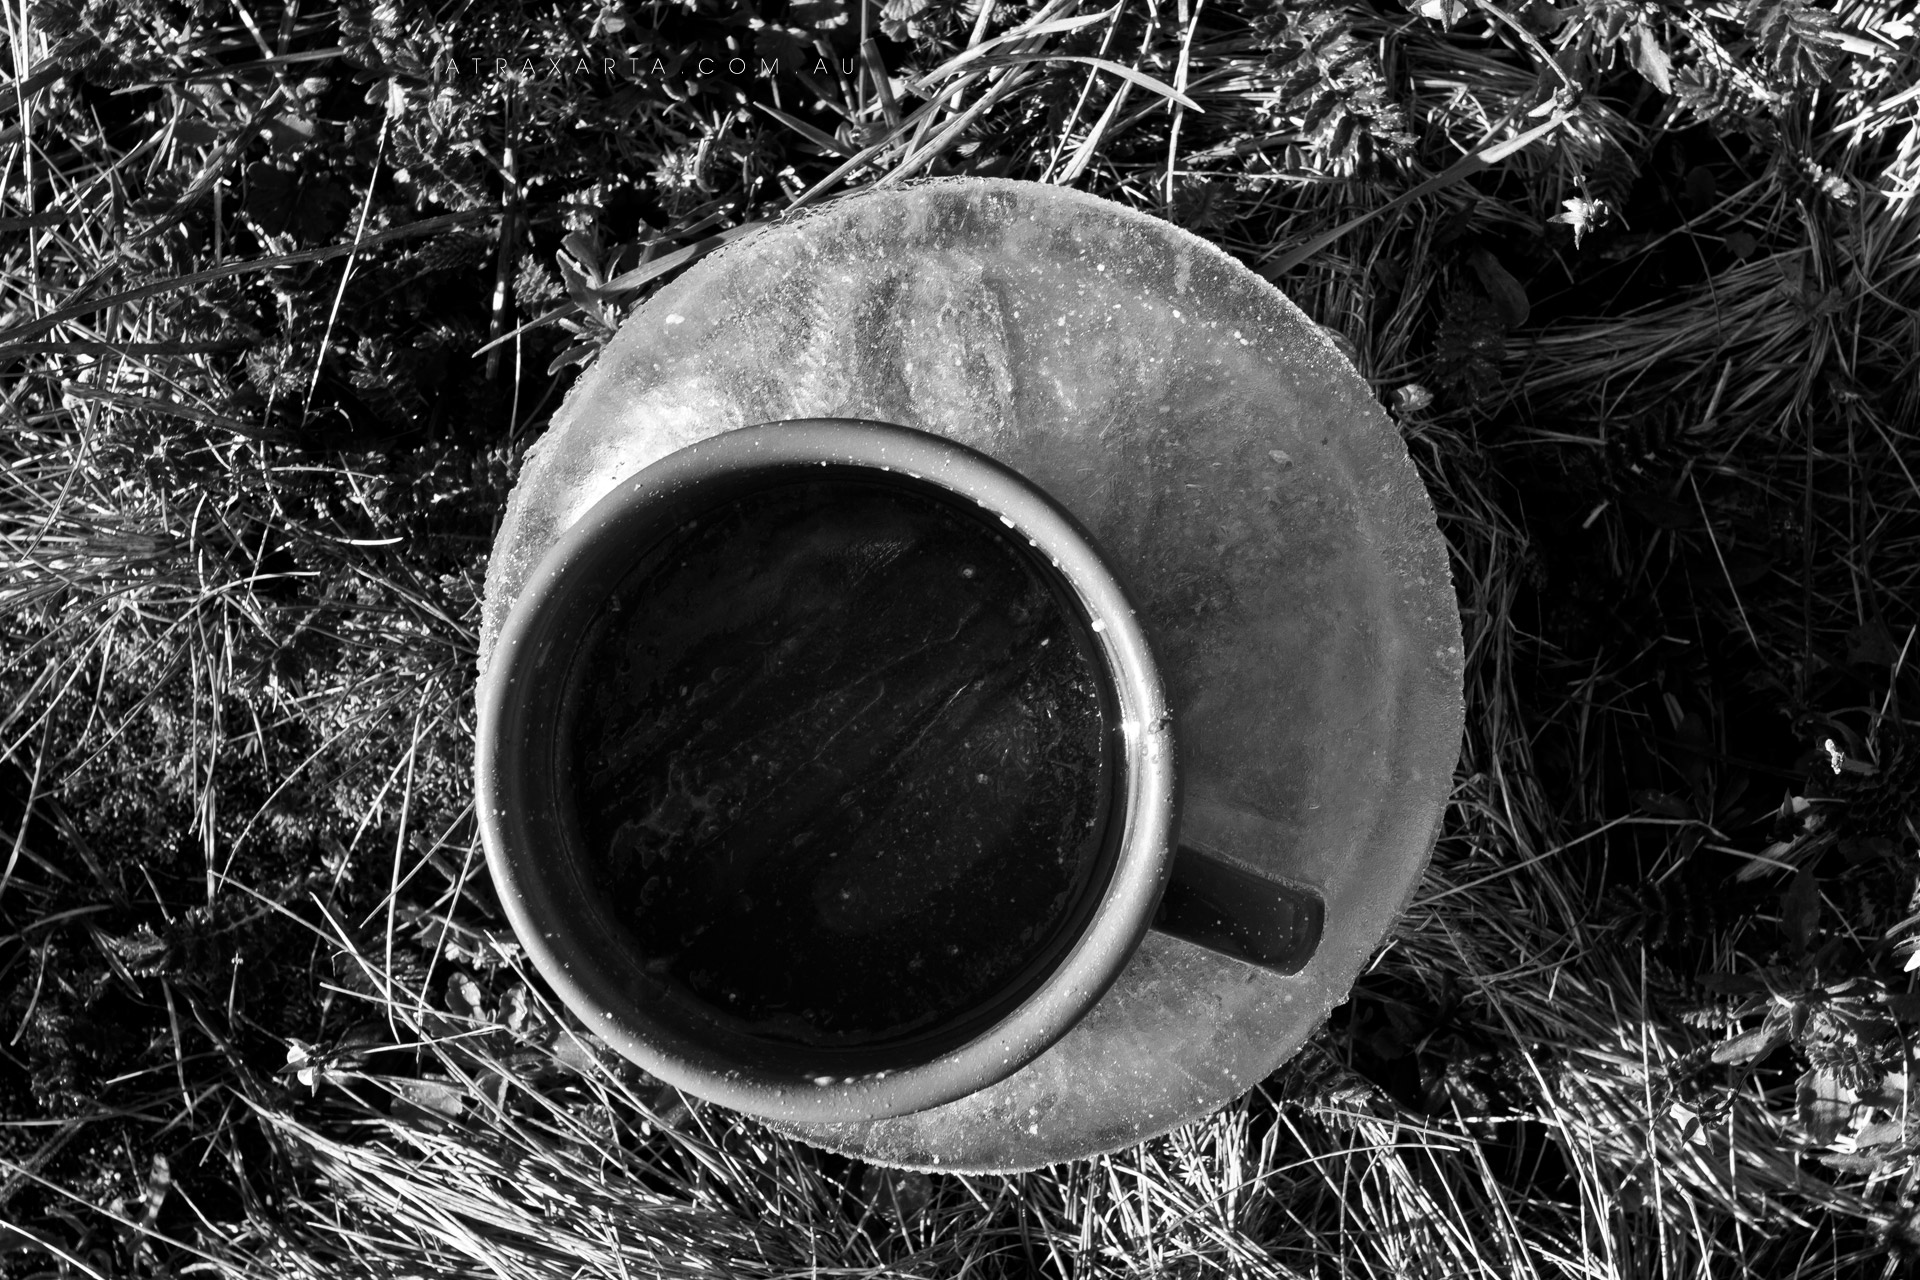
x: 1228, y: 909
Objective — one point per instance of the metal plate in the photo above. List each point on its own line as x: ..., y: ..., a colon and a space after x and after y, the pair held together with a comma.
x: 1243, y: 483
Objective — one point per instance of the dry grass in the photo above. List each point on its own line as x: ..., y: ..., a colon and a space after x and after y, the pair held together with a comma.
x: 1683, y: 499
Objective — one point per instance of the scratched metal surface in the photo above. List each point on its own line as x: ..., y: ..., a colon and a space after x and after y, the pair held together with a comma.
x: 1254, y: 498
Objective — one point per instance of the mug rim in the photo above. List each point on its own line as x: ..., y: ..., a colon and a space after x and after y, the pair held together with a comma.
x: 566, y: 579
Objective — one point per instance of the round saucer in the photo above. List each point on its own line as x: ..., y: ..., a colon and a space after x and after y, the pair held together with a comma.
x: 1243, y: 483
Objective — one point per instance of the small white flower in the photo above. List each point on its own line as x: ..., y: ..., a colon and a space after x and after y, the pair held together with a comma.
x: 1583, y: 215
x: 300, y: 1061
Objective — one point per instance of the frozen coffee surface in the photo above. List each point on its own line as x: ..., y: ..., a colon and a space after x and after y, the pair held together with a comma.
x: 838, y: 752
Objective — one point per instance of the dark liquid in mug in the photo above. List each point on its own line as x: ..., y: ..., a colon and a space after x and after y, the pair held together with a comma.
x: 840, y: 756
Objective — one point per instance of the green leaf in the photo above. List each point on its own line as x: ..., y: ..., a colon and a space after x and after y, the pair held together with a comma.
x: 290, y: 132
x: 1879, y: 1134
x: 1318, y: 112
x: 1848, y: 1162
x: 429, y: 1103
x: 1753, y: 1045
x: 1343, y: 135
x: 1871, y: 644
x: 1800, y: 909
x: 581, y: 246
x: 572, y: 1052
x: 579, y: 286
x: 1649, y: 59
x: 825, y: 141
x: 628, y: 281
x: 573, y: 355
x: 558, y: 314
x: 1904, y: 1006
x: 1798, y: 38
x: 1825, y: 1106
x: 1889, y: 1094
